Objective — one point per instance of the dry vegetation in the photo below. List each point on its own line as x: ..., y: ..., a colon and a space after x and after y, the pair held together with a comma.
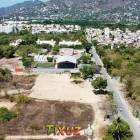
x: 19, y: 82
x: 24, y: 82
x: 77, y: 138
x: 35, y: 115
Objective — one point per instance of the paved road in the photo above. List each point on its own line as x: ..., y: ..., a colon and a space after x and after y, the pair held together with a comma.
x: 51, y: 70
x: 123, y: 107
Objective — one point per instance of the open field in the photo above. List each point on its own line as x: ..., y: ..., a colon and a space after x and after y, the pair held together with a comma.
x: 33, y: 117
x: 60, y: 87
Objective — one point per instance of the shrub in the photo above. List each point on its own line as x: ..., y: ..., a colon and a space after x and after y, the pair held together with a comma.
x: 85, y: 59
x: 22, y: 99
x: 34, y: 126
x: 55, y: 50
x: 50, y: 59
x: 87, y: 71
x: 75, y: 75
x: 5, y: 75
x: 76, y: 78
x: 99, y: 83
x: 118, y: 130
x: 27, y: 61
x: 6, y: 115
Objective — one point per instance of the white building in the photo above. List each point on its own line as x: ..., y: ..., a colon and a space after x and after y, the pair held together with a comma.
x: 40, y: 58
x: 69, y: 43
x: 66, y: 62
x: 46, y: 42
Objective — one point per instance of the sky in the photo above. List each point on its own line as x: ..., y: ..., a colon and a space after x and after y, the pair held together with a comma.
x: 6, y: 3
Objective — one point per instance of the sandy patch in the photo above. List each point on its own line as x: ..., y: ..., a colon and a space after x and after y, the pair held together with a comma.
x: 7, y: 104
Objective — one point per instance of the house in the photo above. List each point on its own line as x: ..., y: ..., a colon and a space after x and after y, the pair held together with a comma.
x: 69, y: 43
x: 46, y: 42
x: 40, y: 58
x: 13, y: 64
x: 66, y: 62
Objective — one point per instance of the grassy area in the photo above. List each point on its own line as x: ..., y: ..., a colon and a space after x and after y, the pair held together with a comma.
x: 46, y: 65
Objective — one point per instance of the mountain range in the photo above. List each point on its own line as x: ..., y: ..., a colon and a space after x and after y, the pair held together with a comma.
x: 106, y: 10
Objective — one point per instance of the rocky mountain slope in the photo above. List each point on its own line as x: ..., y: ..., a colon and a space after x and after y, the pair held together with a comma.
x: 110, y: 10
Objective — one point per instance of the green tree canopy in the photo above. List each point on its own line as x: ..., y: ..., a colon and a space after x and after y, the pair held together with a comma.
x: 118, y: 130
x: 85, y: 58
x: 55, y: 49
x: 99, y: 83
x: 27, y: 61
x: 5, y: 75
x: 6, y: 115
x: 4, y: 39
x: 8, y: 51
x: 87, y: 71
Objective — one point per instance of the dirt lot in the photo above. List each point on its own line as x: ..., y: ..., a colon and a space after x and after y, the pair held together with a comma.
x: 34, y: 116
x: 60, y: 87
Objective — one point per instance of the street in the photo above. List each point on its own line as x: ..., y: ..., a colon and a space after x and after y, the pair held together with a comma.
x: 123, y: 108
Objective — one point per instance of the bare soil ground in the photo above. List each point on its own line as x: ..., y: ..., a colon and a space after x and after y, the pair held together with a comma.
x: 61, y: 88
x: 77, y: 138
x: 6, y: 103
x: 34, y: 116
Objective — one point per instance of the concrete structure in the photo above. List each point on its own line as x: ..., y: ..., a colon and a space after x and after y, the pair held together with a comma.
x: 46, y: 42
x: 66, y: 62
x: 67, y: 51
x: 40, y: 58
x: 70, y: 43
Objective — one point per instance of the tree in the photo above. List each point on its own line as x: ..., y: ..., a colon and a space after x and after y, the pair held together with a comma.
x: 100, y: 50
x: 136, y: 57
x: 118, y: 130
x: 87, y: 71
x: 29, y: 39
x: 22, y: 99
x: 6, y: 115
x: 8, y: 51
x: 87, y: 47
x: 24, y: 32
x: 50, y: 59
x: 5, y: 75
x: 25, y: 50
x: 99, y: 83
x: 95, y: 42
x: 85, y: 58
x: 107, y: 63
x: 55, y: 50
x: 27, y: 61
x: 4, y: 39
x: 76, y: 77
